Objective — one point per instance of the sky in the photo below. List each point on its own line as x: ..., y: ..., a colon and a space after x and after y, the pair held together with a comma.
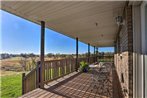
x: 22, y: 36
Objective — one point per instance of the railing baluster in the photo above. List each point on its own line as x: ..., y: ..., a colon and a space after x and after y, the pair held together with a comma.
x: 46, y: 71
x: 61, y: 70
x: 57, y: 69
x: 49, y: 68
x: 63, y: 64
x: 52, y: 71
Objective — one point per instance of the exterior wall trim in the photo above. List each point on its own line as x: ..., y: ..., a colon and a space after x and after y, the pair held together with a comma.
x: 144, y: 47
x: 136, y: 51
x: 139, y: 50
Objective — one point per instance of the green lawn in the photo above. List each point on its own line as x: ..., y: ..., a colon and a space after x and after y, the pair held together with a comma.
x: 11, y: 86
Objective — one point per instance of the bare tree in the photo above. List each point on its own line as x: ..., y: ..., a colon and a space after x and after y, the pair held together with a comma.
x: 33, y: 62
x: 23, y: 63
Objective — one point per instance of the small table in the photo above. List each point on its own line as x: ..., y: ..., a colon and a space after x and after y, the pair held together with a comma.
x: 93, y: 66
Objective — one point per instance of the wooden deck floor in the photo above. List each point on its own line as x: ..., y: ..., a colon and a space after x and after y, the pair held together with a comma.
x: 76, y: 86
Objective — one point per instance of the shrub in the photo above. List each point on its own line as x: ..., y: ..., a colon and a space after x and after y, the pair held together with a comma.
x: 84, y: 67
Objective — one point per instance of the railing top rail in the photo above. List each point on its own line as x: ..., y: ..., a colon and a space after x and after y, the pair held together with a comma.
x: 106, y: 56
x: 67, y: 59
x: 59, y: 60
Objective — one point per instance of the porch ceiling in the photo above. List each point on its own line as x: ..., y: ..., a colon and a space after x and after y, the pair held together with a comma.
x: 73, y: 18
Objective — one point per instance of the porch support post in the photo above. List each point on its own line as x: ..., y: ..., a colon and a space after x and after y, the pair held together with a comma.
x: 115, y: 47
x: 42, y: 53
x: 77, y: 49
x: 94, y: 55
x: 88, y: 53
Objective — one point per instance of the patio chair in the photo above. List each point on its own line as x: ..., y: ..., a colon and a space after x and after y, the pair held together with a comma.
x: 101, y: 77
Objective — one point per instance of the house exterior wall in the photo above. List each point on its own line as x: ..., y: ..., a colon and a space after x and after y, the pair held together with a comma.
x: 124, y: 55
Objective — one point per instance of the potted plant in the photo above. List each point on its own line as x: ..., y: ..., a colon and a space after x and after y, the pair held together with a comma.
x: 84, y: 67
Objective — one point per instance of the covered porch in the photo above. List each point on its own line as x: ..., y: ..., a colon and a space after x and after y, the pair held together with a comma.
x: 96, y: 23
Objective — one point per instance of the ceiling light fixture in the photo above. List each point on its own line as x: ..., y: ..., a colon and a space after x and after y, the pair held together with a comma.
x: 119, y: 20
x: 96, y: 24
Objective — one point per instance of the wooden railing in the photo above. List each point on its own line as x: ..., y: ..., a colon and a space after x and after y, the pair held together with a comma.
x: 30, y: 81
x: 53, y: 69
x: 57, y: 68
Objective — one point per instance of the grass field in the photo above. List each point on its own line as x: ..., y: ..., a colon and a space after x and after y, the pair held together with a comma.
x: 11, y: 86
x: 15, y: 63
